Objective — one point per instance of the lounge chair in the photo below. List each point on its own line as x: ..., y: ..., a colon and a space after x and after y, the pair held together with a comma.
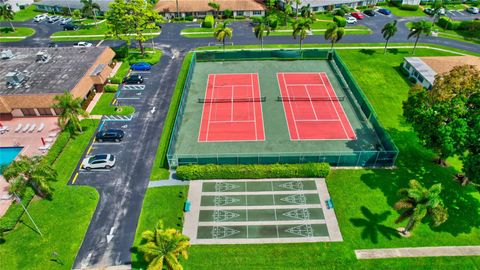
x: 4, y: 129
x: 18, y: 127
x: 45, y: 147
x: 32, y: 128
x: 27, y: 126
x: 53, y: 134
x: 41, y: 127
x: 50, y: 139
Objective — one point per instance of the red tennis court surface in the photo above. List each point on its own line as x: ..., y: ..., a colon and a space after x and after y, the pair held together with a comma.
x: 227, y: 114
x: 316, y: 114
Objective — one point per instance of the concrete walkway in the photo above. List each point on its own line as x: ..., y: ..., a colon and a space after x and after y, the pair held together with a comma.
x: 165, y: 183
x: 417, y: 252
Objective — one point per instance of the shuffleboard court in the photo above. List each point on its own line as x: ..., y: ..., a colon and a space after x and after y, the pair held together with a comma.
x: 260, y: 211
x: 312, y: 108
x: 232, y: 109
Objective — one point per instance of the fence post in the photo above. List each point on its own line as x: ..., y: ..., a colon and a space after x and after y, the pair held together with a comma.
x: 358, y: 159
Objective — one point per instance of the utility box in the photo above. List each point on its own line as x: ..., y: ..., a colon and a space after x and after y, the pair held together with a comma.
x: 186, y: 207
x: 15, y: 78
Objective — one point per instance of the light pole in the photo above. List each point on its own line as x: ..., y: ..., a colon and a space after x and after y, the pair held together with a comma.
x: 26, y: 211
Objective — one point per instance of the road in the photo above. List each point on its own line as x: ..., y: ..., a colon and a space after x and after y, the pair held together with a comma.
x: 112, y: 229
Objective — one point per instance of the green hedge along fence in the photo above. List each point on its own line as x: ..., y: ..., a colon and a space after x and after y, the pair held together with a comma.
x: 252, y: 171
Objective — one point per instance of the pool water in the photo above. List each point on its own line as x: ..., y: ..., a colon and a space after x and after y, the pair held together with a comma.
x: 7, y: 155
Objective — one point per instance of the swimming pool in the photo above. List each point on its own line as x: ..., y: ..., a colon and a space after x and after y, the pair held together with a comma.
x: 7, y: 155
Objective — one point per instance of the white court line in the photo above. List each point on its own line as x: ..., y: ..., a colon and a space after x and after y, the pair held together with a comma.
x: 246, y: 203
x: 259, y: 207
x: 266, y: 223
x: 210, y: 112
x: 291, y: 108
x: 333, y: 104
x: 254, y: 107
x: 230, y: 85
x: 276, y: 192
x: 203, y: 110
x: 236, y: 121
x: 319, y: 120
x: 307, y: 84
x: 261, y: 106
x: 232, y: 92
x: 274, y: 209
x: 311, y: 103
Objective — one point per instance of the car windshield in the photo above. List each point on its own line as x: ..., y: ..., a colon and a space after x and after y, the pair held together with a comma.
x: 99, y: 157
x: 111, y: 158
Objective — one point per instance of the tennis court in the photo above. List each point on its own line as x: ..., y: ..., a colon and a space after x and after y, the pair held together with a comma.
x: 231, y: 109
x: 312, y: 108
x: 260, y: 211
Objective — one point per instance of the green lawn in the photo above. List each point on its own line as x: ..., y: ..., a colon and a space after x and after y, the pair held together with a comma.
x: 460, y: 35
x: 63, y: 220
x: 25, y: 14
x: 368, y: 195
x: 160, y: 165
x: 349, y: 30
x: 104, y: 107
x: 406, y: 13
x: 161, y: 203
x: 20, y: 32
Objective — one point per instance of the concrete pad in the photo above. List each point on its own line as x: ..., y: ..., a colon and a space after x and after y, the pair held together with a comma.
x: 418, y: 252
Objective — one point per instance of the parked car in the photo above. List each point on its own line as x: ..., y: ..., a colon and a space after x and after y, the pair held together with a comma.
x: 351, y: 19
x: 82, y: 44
x: 357, y: 15
x: 65, y: 21
x: 115, y: 135
x: 384, y: 11
x: 369, y: 12
x: 133, y: 79
x: 52, y: 19
x: 40, y: 18
x: 441, y: 11
x: 429, y: 11
x: 141, y: 66
x: 473, y: 10
x: 70, y: 27
x: 103, y: 161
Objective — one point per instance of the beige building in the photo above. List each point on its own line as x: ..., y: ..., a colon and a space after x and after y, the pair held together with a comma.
x: 424, y: 69
x: 30, y: 78
x: 200, y: 8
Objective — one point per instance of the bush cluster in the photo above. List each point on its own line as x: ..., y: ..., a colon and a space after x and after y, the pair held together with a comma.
x: 15, y: 212
x: 208, y: 22
x: 252, y: 171
x: 110, y: 88
x: 409, y: 7
x: 340, y: 21
x: 450, y: 24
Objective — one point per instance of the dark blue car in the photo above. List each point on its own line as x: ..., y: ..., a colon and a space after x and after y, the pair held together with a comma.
x: 141, y: 66
x: 384, y: 11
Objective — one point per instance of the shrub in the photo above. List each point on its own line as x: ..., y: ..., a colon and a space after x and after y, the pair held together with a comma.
x: 15, y: 212
x: 111, y: 88
x: 340, y: 21
x: 194, y: 172
x: 121, y: 52
x: 338, y: 12
x: 209, y: 22
x: 412, y: 80
x: 382, y: 3
x: 189, y: 18
x: 409, y: 7
x: 227, y: 13
x: 240, y: 17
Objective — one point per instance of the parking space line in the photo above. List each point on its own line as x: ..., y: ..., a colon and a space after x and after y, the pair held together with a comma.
x: 90, y: 149
x: 93, y: 170
x: 75, y: 178
x: 129, y: 98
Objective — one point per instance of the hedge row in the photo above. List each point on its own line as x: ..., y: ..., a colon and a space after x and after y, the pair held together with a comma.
x: 15, y: 212
x: 340, y: 21
x: 450, y: 24
x: 194, y: 172
x: 110, y: 88
x: 409, y: 7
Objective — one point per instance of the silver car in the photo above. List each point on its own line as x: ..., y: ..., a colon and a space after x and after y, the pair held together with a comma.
x: 473, y: 10
x: 65, y: 21
x: 102, y: 161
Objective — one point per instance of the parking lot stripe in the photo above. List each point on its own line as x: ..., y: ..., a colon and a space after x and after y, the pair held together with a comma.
x: 90, y: 149
x: 75, y: 178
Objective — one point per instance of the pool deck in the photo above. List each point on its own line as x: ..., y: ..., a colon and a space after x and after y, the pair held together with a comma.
x: 30, y: 141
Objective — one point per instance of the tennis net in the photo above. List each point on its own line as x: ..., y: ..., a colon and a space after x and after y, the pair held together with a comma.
x: 231, y: 100
x: 337, y: 98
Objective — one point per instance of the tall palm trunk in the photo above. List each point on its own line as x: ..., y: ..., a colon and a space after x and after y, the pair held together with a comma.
x: 300, y: 41
x: 415, y: 46
x: 331, y: 47
x: 223, y: 41
x: 385, y: 49
x: 261, y: 42
x: 95, y: 18
x: 409, y: 226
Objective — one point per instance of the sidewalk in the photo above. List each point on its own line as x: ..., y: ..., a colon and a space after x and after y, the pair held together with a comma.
x: 418, y: 252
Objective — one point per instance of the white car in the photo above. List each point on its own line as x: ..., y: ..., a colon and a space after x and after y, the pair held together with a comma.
x: 441, y: 11
x: 473, y: 10
x: 82, y: 44
x: 40, y: 18
x: 65, y: 21
x: 351, y: 20
x: 102, y: 161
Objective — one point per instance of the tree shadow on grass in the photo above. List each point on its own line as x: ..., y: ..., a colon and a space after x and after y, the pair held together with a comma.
x: 372, y: 225
x: 415, y: 162
x: 367, y: 51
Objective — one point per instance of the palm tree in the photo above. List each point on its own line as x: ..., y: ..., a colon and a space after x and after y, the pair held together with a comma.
x: 420, y: 202
x: 71, y: 109
x: 287, y: 10
x: 297, y: 2
x: 222, y: 32
x: 388, y: 32
x: 30, y: 171
x: 301, y: 27
x: 216, y: 7
x: 419, y: 28
x: 334, y: 33
x: 164, y: 246
x: 6, y: 13
x: 262, y: 29
x: 306, y: 12
x: 90, y: 9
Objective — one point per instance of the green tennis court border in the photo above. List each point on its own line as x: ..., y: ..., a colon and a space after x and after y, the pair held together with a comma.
x: 373, y: 147
x: 254, y: 211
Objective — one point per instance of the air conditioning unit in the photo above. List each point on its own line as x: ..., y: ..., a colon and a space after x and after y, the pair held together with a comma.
x: 43, y: 57
x: 7, y: 54
x: 15, y: 78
